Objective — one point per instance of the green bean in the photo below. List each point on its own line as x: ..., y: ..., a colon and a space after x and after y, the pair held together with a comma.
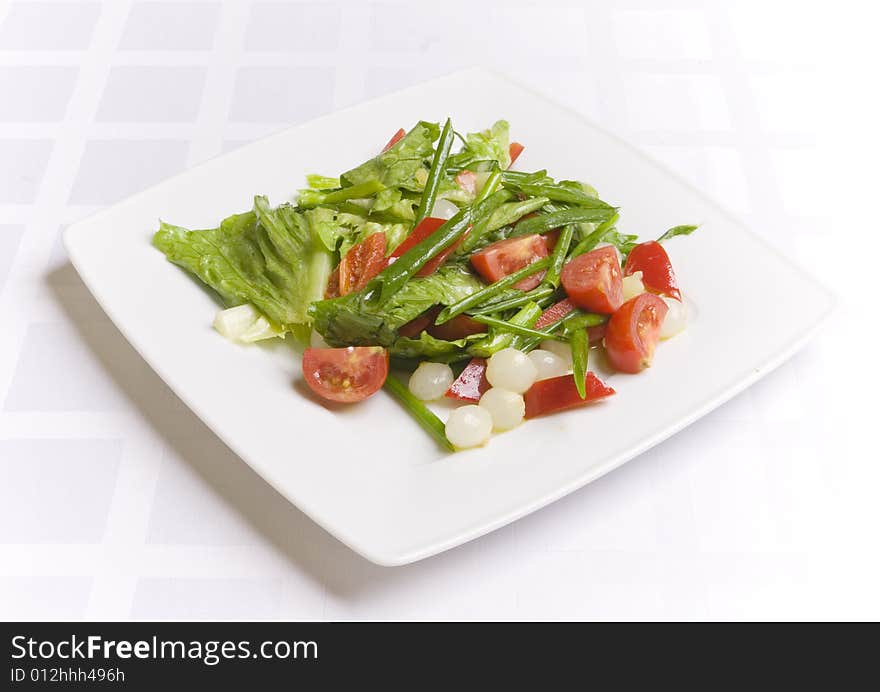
x: 511, y: 212
x: 595, y: 237
x: 479, y: 229
x: 493, y: 182
x: 421, y: 413
x: 517, y: 329
x: 547, y: 222
x: 489, y: 291
x: 438, y: 167
x: 578, y: 320
x: 557, y: 259
x: 526, y: 317
x: 515, y: 178
x: 536, y: 294
x: 580, y: 349
x: 391, y: 279
x: 563, y: 193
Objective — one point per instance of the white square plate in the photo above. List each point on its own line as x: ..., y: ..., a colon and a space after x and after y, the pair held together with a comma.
x: 368, y: 474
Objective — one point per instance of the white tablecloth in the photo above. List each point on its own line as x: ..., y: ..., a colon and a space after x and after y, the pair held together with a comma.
x: 116, y: 502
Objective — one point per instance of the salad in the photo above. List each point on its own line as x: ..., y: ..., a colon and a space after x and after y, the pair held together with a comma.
x: 489, y: 285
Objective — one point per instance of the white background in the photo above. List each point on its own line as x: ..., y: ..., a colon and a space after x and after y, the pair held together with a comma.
x: 117, y: 503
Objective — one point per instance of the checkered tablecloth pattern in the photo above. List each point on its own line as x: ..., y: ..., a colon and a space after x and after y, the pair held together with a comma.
x: 116, y: 502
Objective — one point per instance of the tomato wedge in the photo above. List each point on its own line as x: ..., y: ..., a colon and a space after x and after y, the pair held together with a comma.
x: 395, y: 138
x: 345, y: 374
x: 593, y: 281
x: 633, y: 332
x: 559, y: 393
x: 458, y: 327
x: 426, y: 227
x: 361, y: 263
x: 554, y: 313
x: 651, y: 259
x: 507, y: 256
x: 515, y: 150
x: 467, y: 181
x: 471, y: 384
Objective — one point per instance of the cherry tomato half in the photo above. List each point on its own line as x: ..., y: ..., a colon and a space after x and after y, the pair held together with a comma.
x: 361, y: 263
x: 499, y: 259
x: 651, y: 259
x: 593, y: 281
x: 633, y: 332
x: 558, y: 393
x: 345, y: 374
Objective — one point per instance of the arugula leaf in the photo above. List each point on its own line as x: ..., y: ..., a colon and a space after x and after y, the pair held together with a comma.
x: 677, y: 230
x: 272, y: 258
x: 400, y: 163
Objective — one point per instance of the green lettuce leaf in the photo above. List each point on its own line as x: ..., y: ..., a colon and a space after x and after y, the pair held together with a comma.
x: 271, y: 258
x: 491, y: 144
x: 351, y: 320
x: 400, y: 163
x: 430, y: 348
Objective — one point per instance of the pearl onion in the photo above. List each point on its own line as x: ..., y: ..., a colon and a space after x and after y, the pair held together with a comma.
x: 469, y: 426
x: 506, y: 408
x: 511, y: 369
x: 676, y: 318
x: 560, y: 348
x: 430, y: 381
x: 632, y: 286
x: 548, y: 364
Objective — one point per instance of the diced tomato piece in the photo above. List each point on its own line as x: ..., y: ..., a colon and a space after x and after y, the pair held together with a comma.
x: 458, y: 327
x: 515, y: 150
x: 361, y: 263
x: 593, y: 280
x: 426, y: 227
x: 471, y: 384
x: 395, y: 138
x: 633, y: 332
x: 558, y: 393
x: 651, y: 259
x: 507, y: 256
x: 345, y: 374
x: 554, y: 313
x: 467, y: 181
x: 332, y: 290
